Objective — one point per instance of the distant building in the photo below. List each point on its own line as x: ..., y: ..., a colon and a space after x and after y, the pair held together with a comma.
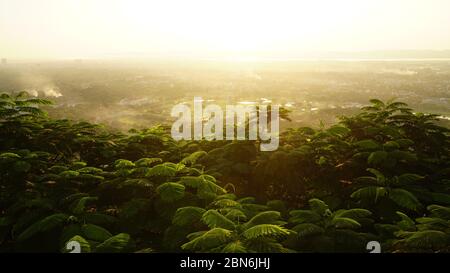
x: 4, y: 61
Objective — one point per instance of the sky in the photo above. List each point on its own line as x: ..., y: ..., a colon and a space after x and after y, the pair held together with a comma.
x: 108, y: 28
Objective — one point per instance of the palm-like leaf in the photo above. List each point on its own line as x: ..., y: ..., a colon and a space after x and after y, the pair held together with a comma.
x: 171, y: 191
x: 439, y: 211
x: 304, y: 216
x: 147, y: 162
x: 345, y: 223
x: 95, y: 233
x: 187, y: 215
x: 234, y: 247
x: 265, y: 230
x: 212, y: 218
x: 224, y: 203
x: 318, y: 206
x: 80, y: 205
x: 43, y: 225
x: 192, y: 158
x: 115, y: 244
x: 164, y: 170
x: 430, y: 239
x: 236, y: 215
x: 353, y: 213
x: 265, y: 217
x: 370, y: 193
x: 404, y: 199
x: 307, y: 229
x: 208, y: 240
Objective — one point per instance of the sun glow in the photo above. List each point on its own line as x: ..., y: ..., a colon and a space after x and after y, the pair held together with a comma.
x: 239, y: 26
x: 239, y: 29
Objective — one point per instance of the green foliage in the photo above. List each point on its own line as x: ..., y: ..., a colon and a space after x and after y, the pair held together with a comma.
x: 213, y: 219
x: 187, y: 216
x: 95, y: 233
x: 170, y: 191
x: 320, y: 224
x: 382, y: 174
x: 265, y: 230
x: 43, y: 225
x: 394, y: 188
x: 208, y: 240
x: 117, y: 243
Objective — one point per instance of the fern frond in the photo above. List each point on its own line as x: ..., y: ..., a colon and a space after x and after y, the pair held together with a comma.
x: 234, y: 247
x: 187, y: 216
x: 307, y: 229
x: 123, y: 164
x: 139, y: 182
x: 226, y: 203
x: 354, y: 214
x: 147, y: 162
x: 115, y: 244
x: 210, y: 239
x: 439, y: 211
x: 171, y: 191
x: 345, y: 223
x: 247, y: 200
x: 236, y: 215
x: 95, y: 233
x: 212, y: 218
x: 318, y: 206
x: 45, y: 224
x: 404, y: 199
x: 265, y: 230
x: 164, y: 170
x: 369, y: 193
x: 265, y: 217
x: 304, y: 216
x: 406, y: 223
x: 80, y: 205
x: 192, y: 158
x: 430, y: 239
x: 265, y: 245
x: 208, y: 189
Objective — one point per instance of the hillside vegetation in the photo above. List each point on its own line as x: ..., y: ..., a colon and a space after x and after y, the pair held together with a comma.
x: 382, y: 174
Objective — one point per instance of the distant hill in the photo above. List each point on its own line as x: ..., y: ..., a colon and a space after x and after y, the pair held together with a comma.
x: 390, y: 54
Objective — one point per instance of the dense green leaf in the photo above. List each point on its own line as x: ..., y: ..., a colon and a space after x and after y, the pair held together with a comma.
x: 265, y: 230
x: 347, y: 223
x: 367, y: 144
x: 307, y: 229
x: 171, y: 191
x: 117, y: 243
x: 318, y: 206
x: 234, y: 247
x: 45, y: 224
x: 430, y: 239
x: 210, y: 239
x: 304, y: 216
x: 95, y: 233
x: 404, y: 199
x: 214, y: 219
x: 187, y: 216
x: 265, y: 217
x: 377, y: 157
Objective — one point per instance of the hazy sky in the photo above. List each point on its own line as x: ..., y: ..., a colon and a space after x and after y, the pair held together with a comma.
x: 103, y: 28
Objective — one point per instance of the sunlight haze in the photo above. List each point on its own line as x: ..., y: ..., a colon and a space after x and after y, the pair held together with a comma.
x: 116, y: 28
